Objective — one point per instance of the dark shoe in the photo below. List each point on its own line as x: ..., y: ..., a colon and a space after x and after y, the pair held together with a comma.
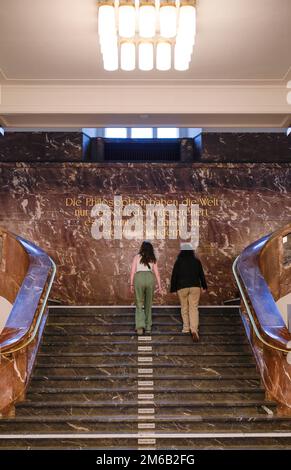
x: 148, y: 332
x: 139, y: 331
x: 195, y: 336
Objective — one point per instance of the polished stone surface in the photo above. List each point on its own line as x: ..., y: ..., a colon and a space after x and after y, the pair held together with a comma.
x: 41, y: 146
x: 238, y: 202
x: 245, y: 147
x: 201, y: 392
x: 25, y: 273
x: 264, y: 279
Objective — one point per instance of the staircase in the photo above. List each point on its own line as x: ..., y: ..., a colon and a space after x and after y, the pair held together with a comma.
x: 96, y: 385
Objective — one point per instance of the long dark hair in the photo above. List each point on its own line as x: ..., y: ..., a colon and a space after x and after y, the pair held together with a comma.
x: 147, y: 253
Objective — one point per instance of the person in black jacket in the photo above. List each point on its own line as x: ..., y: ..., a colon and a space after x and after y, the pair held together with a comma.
x: 188, y: 281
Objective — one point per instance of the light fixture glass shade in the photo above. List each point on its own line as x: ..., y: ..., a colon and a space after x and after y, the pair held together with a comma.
x: 164, y: 51
x: 106, y: 20
x: 110, y: 60
x: 168, y: 21
x: 126, y: 20
x: 162, y: 31
x: 109, y: 49
x: 127, y: 56
x: 108, y: 43
x: 181, y: 58
x: 147, y: 21
x: 187, y: 22
x: 184, y: 46
x: 146, y: 56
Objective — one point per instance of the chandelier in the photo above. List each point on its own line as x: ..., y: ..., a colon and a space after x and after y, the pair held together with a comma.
x: 146, y: 34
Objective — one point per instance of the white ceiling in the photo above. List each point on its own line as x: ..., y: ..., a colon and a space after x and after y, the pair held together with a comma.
x: 46, y: 43
x: 57, y: 40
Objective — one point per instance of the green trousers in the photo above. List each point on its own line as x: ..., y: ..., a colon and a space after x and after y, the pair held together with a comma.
x: 144, y: 285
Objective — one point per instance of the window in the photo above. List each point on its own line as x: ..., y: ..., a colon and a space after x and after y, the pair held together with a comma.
x: 142, y: 133
x: 167, y: 133
x: 116, y: 132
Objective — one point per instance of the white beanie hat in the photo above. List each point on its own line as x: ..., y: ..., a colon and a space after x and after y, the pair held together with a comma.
x: 186, y: 247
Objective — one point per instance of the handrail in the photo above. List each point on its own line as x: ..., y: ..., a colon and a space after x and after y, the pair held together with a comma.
x: 40, y: 315
x: 266, y: 320
x: 26, y: 314
x: 26, y: 277
x: 262, y: 279
x: 250, y: 315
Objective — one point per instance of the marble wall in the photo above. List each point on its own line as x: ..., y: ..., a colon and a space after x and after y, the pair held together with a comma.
x: 41, y: 146
x: 50, y: 204
x: 227, y: 147
x: 244, y: 147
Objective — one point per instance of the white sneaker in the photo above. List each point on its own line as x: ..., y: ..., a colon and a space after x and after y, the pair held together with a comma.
x: 185, y: 330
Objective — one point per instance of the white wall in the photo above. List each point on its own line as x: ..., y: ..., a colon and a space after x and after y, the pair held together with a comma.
x: 282, y: 305
x: 5, y: 308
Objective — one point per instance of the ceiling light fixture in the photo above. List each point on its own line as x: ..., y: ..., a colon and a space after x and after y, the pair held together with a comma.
x: 147, y: 19
x: 146, y: 56
x: 127, y: 56
x: 146, y: 33
x: 126, y: 17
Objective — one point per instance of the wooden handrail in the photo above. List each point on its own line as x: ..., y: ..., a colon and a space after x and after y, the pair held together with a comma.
x: 26, y: 277
x: 21, y: 320
x: 271, y: 263
x: 268, y: 319
x: 263, y: 279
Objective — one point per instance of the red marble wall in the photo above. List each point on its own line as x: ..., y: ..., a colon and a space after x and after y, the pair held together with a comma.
x: 240, y: 202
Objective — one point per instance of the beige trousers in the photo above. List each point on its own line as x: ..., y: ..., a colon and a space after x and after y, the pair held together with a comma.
x: 189, y: 300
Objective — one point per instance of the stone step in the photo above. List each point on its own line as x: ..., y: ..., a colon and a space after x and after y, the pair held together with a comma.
x: 103, y: 371
x: 54, y: 375
x: 128, y: 319
x: 132, y: 347
x: 194, y: 352
x: 182, y: 340
x: 130, y: 443
x: 92, y: 320
x: 131, y: 423
x: 70, y: 443
x: 245, y: 412
x: 119, y: 395
x: 130, y: 310
x: 178, y: 337
x: 91, y: 378
x: 234, y: 424
x: 126, y: 383
x: 241, y: 442
x: 163, y: 312
x: 169, y: 330
x: 183, y: 407
x: 119, y: 359
x: 162, y: 387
